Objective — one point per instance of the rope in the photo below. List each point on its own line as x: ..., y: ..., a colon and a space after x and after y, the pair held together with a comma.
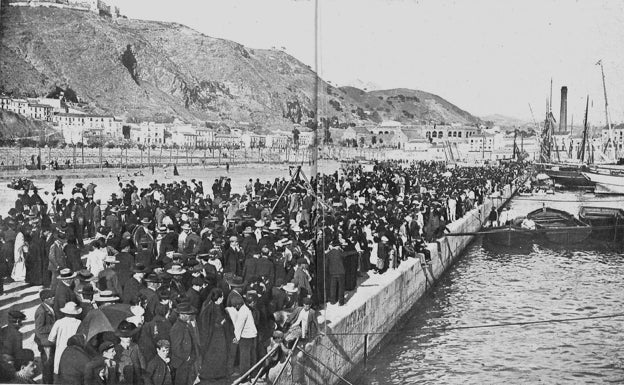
x: 325, y: 366
x: 502, y: 324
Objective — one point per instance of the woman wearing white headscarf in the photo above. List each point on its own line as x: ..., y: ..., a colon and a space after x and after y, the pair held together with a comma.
x: 20, y: 250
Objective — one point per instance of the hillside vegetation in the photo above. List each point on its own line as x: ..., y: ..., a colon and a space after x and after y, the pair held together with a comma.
x: 154, y: 70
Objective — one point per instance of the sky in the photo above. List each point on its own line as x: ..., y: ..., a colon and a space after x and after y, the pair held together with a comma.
x: 485, y: 56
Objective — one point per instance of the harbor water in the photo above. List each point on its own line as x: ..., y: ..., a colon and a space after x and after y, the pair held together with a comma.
x: 492, y: 285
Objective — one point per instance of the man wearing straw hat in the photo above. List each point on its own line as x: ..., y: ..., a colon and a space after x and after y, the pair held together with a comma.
x: 64, y: 292
x: 62, y: 330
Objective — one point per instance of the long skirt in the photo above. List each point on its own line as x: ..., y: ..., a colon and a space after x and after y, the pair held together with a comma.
x: 215, y: 357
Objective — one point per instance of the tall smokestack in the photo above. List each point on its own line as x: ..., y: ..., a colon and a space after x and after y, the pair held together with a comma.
x: 563, y: 114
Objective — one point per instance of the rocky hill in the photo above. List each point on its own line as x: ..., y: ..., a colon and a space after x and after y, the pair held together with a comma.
x: 155, y: 70
x: 13, y: 125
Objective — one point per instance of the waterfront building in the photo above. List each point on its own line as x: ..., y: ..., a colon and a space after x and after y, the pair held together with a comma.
x: 278, y: 139
x: 251, y: 139
x: 79, y: 127
x: 148, y: 133
x: 205, y: 137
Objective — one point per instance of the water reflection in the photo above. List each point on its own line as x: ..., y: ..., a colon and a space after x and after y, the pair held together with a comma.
x: 487, y: 286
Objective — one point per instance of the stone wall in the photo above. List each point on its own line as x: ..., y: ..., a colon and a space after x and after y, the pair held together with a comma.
x: 376, y: 310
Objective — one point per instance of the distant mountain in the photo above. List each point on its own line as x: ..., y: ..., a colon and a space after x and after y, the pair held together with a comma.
x: 363, y: 85
x: 148, y: 70
x: 505, y: 121
x: 408, y: 106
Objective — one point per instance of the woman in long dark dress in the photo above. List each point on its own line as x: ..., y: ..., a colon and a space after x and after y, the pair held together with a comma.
x: 34, y: 264
x: 215, y: 334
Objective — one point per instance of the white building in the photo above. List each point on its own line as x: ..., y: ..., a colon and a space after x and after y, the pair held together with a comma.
x: 148, y: 133
x: 78, y: 128
x: 253, y: 140
x: 184, y: 136
x: 278, y: 140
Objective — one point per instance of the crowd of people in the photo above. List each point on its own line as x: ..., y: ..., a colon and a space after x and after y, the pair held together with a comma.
x: 209, y: 283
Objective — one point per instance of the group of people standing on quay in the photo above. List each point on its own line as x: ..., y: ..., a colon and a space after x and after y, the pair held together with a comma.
x: 211, y: 282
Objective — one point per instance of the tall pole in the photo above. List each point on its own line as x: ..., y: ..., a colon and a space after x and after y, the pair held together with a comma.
x: 314, y: 163
x: 607, y: 117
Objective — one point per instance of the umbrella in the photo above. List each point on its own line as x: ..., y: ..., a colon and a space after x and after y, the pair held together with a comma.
x: 105, y: 319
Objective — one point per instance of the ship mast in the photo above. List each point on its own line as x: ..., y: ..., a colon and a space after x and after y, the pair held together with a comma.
x: 584, y: 142
x: 604, y: 88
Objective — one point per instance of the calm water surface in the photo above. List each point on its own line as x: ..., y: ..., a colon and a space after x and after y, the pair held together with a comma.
x: 490, y: 285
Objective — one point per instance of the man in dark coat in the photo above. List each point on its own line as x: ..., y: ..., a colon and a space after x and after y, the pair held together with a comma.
x: 44, y: 319
x: 102, y: 370
x: 185, y: 346
x: 336, y: 272
x: 10, y: 336
x: 158, y: 371
x: 233, y: 257
x: 64, y: 291
x: 192, y: 294
x: 74, y: 360
x: 133, y: 286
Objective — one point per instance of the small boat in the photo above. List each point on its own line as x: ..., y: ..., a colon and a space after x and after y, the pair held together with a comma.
x: 512, y: 235
x: 568, y: 175
x: 604, y: 222
x: 559, y: 226
x: 607, y: 180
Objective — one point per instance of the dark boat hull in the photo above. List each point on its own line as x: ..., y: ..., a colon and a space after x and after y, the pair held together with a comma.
x: 508, y: 236
x: 559, y: 226
x: 605, y: 222
x: 572, y: 179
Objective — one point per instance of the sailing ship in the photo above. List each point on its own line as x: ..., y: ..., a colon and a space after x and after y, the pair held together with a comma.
x: 608, y: 178
x: 567, y: 174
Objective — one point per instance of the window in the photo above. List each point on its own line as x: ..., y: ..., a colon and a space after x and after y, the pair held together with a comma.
x: 440, y: 134
x: 434, y: 134
x: 459, y: 134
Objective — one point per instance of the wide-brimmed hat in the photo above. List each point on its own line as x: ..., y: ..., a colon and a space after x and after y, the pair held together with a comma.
x: 139, y: 268
x: 274, y: 226
x: 105, y: 296
x: 296, y: 229
x: 184, y: 210
x: 290, y: 288
x: 176, y: 270
x: 161, y: 229
x: 146, y: 221
x: 185, y: 308
x: 126, y: 329
x: 248, y: 230
x: 260, y: 223
x: 66, y: 274
x: 71, y: 308
x: 186, y: 226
